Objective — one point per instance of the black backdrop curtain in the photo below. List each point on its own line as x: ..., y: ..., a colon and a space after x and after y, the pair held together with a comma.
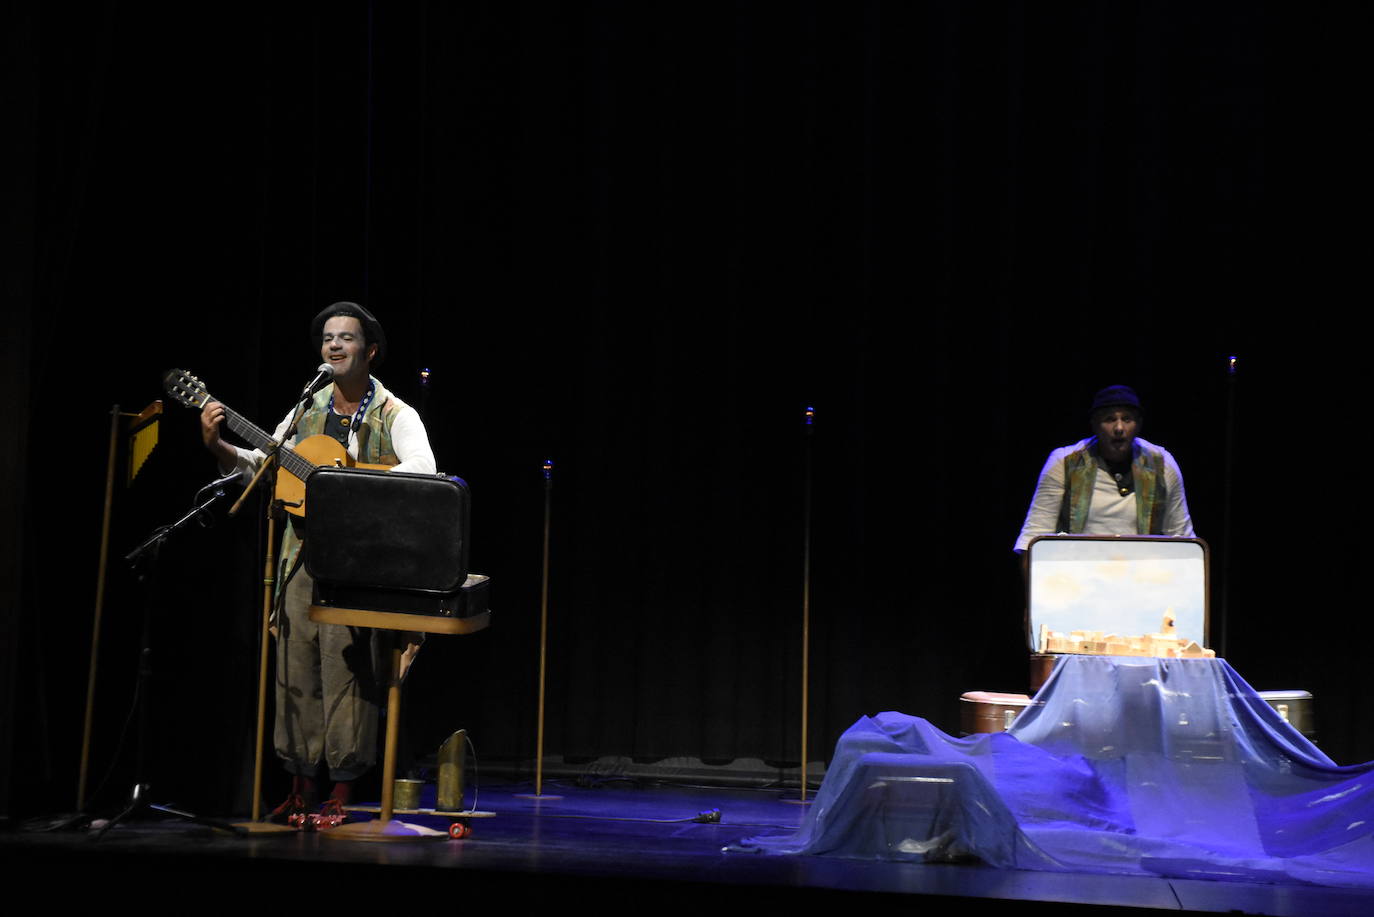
x: 640, y: 239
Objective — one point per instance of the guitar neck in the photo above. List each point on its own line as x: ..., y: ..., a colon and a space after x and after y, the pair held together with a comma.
x: 191, y: 392
x: 261, y: 439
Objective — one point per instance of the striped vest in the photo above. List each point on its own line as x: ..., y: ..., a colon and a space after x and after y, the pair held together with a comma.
x: 1147, y: 472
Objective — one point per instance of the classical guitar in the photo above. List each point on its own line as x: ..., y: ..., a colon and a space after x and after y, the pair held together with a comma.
x: 296, y: 463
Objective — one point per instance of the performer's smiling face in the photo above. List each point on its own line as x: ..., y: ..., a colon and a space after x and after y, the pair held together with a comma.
x: 1116, y: 429
x: 345, y: 348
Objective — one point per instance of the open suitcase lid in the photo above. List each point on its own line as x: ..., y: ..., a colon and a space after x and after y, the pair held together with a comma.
x: 1115, y: 584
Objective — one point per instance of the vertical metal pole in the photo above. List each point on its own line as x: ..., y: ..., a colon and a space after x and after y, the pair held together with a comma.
x: 543, y: 629
x: 806, y: 598
x: 99, y: 610
x: 1228, y: 472
x: 269, y: 580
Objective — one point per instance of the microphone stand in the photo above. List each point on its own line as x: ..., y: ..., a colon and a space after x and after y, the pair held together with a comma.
x: 144, y: 559
x: 255, y: 824
x: 272, y: 457
x: 149, y: 549
x: 810, y: 429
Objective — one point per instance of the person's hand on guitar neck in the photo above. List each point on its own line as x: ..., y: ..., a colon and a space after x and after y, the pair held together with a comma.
x: 211, y: 418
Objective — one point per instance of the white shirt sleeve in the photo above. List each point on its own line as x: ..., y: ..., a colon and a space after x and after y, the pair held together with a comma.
x: 408, y: 438
x: 1043, y: 516
x: 1177, y: 522
x: 411, y: 442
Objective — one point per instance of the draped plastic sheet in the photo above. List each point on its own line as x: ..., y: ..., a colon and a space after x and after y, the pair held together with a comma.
x: 1170, y: 767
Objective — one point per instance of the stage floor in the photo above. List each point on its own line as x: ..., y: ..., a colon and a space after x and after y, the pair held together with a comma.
x: 619, y: 843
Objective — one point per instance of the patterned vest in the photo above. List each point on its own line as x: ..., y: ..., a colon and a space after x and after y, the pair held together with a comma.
x: 1147, y: 472
x: 374, y: 434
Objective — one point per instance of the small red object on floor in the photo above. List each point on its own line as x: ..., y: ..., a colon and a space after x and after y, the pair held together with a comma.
x: 331, y: 816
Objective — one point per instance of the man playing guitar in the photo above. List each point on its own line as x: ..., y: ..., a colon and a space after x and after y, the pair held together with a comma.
x: 327, y: 696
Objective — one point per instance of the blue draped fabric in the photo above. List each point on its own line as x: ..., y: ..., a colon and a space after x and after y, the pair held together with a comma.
x: 1169, y: 767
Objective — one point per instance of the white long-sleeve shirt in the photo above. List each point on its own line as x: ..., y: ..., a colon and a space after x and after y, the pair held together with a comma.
x: 408, y: 438
x: 1110, y: 513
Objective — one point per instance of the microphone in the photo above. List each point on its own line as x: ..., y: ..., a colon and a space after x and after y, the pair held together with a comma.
x: 217, y: 486
x: 324, y: 374
x: 220, y: 482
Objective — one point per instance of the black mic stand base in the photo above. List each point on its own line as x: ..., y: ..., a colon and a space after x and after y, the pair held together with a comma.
x: 138, y: 803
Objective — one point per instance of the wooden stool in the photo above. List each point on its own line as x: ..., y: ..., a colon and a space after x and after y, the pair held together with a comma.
x: 385, y: 827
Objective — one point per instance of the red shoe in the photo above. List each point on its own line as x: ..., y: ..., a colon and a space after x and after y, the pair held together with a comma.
x: 289, y: 812
x: 297, y: 804
x: 331, y: 815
